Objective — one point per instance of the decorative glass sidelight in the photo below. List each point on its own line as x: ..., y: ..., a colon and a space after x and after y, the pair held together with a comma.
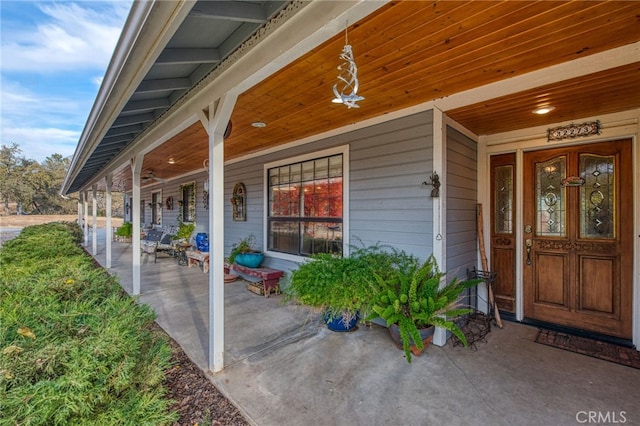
x: 503, y: 199
x: 597, y: 196
x: 550, y: 196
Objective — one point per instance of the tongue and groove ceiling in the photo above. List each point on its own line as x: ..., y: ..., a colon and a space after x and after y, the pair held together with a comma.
x: 407, y: 53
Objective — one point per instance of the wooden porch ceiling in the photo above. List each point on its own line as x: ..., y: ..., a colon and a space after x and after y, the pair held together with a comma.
x: 413, y: 52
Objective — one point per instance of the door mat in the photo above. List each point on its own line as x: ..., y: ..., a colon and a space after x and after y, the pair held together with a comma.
x: 593, y: 348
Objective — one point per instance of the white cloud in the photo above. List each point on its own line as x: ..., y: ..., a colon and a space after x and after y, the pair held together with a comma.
x: 39, y: 123
x: 49, y: 71
x: 74, y: 37
x: 40, y: 143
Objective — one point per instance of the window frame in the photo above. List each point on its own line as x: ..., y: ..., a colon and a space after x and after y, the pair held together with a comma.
x: 344, y: 150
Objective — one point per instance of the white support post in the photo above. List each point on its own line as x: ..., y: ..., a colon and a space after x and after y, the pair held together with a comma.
x: 80, y: 210
x: 440, y: 206
x: 218, y: 120
x: 109, y: 230
x: 136, y: 168
x: 85, y: 219
x: 94, y: 220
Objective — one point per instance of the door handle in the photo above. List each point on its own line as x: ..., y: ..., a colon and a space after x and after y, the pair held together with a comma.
x: 528, y: 243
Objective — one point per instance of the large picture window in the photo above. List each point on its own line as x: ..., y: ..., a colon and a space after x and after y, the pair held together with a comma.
x: 305, y: 206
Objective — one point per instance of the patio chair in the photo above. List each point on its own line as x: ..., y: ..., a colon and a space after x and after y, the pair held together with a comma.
x: 158, y: 240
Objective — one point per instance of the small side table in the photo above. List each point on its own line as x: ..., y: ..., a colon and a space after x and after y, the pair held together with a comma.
x: 195, y: 257
x: 181, y: 253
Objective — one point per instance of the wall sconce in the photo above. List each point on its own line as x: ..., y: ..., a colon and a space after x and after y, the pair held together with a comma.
x: 206, y: 185
x: 435, y: 182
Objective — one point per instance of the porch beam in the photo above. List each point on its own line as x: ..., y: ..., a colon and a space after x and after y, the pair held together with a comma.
x: 218, y: 119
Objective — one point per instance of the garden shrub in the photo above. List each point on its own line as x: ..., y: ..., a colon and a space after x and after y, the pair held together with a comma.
x: 74, y: 348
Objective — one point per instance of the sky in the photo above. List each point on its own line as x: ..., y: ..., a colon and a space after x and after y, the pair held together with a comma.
x: 53, y: 57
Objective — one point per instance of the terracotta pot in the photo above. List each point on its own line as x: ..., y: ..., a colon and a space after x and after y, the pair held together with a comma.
x: 426, y: 334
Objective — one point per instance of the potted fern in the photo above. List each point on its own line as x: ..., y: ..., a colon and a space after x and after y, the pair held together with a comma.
x: 412, y: 302
x: 340, y: 286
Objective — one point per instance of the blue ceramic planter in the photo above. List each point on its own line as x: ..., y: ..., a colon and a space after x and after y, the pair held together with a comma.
x: 338, y: 323
x: 250, y: 260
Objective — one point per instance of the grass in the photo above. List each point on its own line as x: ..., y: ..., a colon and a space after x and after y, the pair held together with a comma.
x: 74, y: 349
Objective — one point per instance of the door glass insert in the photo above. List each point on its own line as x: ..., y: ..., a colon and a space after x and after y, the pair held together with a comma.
x: 503, y: 199
x: 597, y: 196
x: 550, y: 196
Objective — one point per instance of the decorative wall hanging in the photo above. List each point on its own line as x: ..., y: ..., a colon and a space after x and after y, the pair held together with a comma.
x: 169, y: 203
x: 346, y: 89
x: 573, y: 131
x: 239, y: 202
x: 435, y: 182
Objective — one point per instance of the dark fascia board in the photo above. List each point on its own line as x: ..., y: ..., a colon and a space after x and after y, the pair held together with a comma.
x: 118, y: 131
x: 127, y: 120
x: 188, y: 56
x: 230, y: 10
x: 147, y: 105
x: 161, y: 85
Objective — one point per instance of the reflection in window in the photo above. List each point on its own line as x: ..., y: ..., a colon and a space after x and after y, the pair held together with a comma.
x: 187, y: 204
x: 597, y: 196
x: 305, y: 207
x: 550, y: 196
x: 156, y: 208
x: 503, y: 199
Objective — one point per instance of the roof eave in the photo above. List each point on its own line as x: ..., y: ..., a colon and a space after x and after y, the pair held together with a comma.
x: 147, y: 28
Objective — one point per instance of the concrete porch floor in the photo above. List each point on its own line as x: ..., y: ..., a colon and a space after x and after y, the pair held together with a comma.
x: 284, y: 367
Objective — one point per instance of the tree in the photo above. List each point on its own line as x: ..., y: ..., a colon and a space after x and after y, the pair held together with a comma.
x: 35, y: 187
x: 10, y: 174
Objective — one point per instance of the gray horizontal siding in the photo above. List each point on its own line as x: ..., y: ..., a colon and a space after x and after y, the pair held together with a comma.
x: 388, y: 204
x: 462, y: 188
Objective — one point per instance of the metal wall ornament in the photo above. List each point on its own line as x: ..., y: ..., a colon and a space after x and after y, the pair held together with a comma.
x: 573, y: 131
x: 239, y: 202
x: 346, y: 89
x: 435, y: 183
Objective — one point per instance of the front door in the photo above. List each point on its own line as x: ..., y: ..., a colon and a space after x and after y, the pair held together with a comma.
x: 578, y: 237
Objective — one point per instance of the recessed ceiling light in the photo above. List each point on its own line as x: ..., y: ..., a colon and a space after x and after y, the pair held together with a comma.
x: 259, y: 124
x: 171, y: 161
x: 544, y: 110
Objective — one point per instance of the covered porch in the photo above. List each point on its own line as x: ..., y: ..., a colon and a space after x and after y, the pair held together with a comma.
x: 283, y: 366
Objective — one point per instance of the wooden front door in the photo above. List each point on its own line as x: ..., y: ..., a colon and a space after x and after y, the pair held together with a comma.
x: 578, y: 237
